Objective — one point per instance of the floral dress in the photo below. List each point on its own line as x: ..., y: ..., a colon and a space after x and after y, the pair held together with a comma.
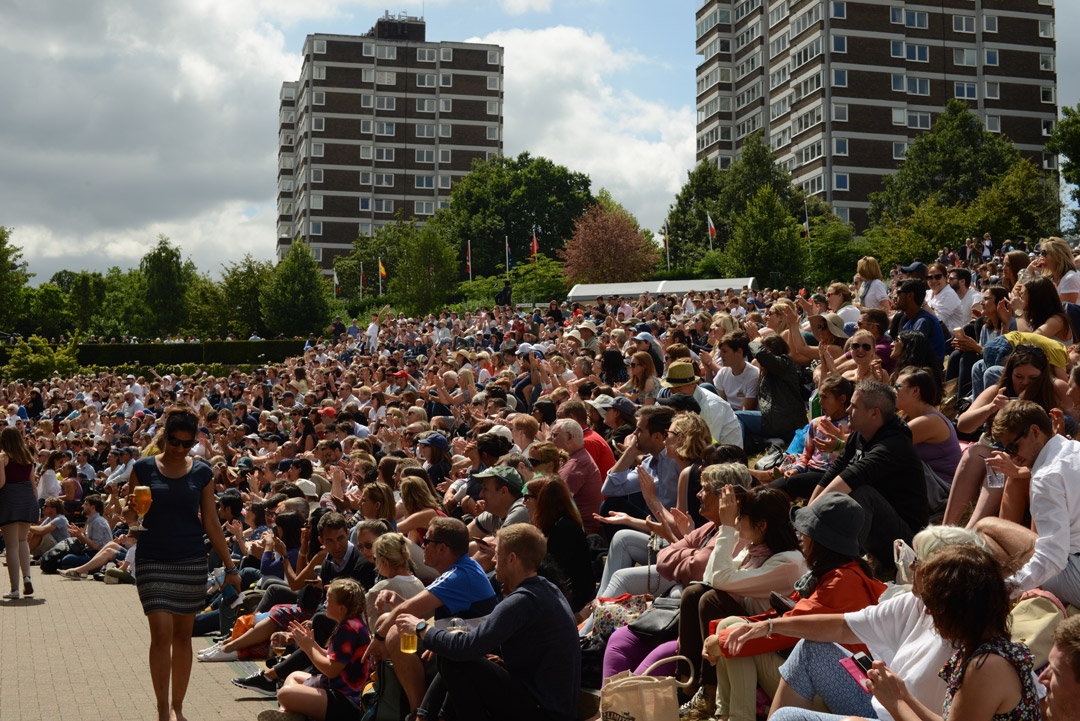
x: 952, y: 673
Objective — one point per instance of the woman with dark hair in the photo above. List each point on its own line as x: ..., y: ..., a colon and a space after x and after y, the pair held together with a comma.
x: 18, y: 507
x: 613, y: 368
x: 554, y: 312
x: 838, y: 581
x: 934, y: 436
x: 170, y: 567
x: 552, y: 510
x: 994, y: 321
x: 643, y: 387
x: 989, y: 676
x: 912, y: 348
x: 1027, y: 376
x: 1038, y: 309
x: 287, y: 527
x: 306, y: 436
x: 1015, y: 263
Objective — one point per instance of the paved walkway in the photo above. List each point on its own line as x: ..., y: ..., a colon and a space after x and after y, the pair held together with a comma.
x: 78, y: 650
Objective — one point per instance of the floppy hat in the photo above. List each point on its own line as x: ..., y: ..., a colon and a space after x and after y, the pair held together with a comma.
x: 834, y: 323
x: 834, y: 520
x: 507, y: 474
x: 679, y: 373
x: 589, y: 326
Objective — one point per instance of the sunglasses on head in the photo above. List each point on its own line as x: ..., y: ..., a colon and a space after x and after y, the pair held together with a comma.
x: 861, y: 346
x: 174, y: 441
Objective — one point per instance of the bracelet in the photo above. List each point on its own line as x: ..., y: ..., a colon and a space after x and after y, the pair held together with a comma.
x: 380, y: 639
x: 231, y: 570
x: 769, y: 633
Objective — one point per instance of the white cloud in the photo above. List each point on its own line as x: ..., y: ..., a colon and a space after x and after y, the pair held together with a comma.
x: 519, y: 7
x: 562, y: 103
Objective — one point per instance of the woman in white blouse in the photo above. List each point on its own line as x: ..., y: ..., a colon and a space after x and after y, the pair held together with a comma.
x: 1055, y: 258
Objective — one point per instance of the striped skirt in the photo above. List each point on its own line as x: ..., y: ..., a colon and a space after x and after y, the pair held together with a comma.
x: 177, y: 587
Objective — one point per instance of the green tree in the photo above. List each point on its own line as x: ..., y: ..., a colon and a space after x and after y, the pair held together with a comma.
x: 295, y: 301
x: 86, y: 294
x: 1022, y: 201
x: 36, y: 360
x: 123, y: 311
x: 538, y: 281
x: 47, y: 312
x: 834, y: 252
x: 166, y: 277
x: 608, y: 246
x: 765, y: 243
x: 951, y: 163
x: 13, y: 279
x: 427, y: 271
x: 686, y: 223
x: 1065, y: 141
x: 241, y: 283
x: 387, y: 245
x: 208, y: 313
x: 507, y: 198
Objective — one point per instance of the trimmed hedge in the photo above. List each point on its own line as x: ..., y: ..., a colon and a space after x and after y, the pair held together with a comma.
x: 237, y: 352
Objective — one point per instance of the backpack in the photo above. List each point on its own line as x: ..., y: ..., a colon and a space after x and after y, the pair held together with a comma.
x: 384, y: 698
x: 50, y: 560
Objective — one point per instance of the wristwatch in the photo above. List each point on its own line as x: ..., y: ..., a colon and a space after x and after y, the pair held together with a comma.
x: 421, y: 627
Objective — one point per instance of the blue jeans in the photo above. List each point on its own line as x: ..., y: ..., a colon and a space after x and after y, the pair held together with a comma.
x: 983, y: 376
x: 813, y: 669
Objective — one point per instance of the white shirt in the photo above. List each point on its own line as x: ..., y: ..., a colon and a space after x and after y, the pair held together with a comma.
x: 49, y: 485
x: 947, y: 307
x: 899, y: 632
x: 848, y: 313
x: 373, y: 333
x: 1069, y: 283
x: 137, y: 390
x: 737, y: 388
x: 875, y: 293
x: 723, y: 571
x: 967, y: 302
x: 1055, y: 511
x: 721, y: 420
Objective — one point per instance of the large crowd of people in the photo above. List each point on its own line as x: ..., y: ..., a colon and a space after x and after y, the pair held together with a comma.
x: 453, y: 501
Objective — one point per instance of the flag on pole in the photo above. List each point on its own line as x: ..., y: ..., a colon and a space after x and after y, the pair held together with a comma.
x: 382, y: 269
x: 667, y: 250
x: 468, y: 257
x: 712, y: 228
x: 806, y: 220
x: 509, y: 257
x: 337, y: 288
x: 535, y: 247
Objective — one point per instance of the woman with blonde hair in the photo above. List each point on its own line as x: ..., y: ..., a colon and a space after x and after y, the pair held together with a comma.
x: 394, y: 564
x: 545, y: 457
x: 1054, y: 258
x: 873, y: 293
x: 420, y: 506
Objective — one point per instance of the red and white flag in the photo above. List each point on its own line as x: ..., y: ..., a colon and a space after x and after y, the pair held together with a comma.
x: 468, y: 258
x: 535, y: 246
x: 712, y: 228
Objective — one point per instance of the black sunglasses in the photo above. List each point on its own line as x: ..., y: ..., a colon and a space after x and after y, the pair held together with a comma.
x: 935, y: 276
x: 861, y: 346
x: 174, y: 441
x: 1011, y: 449
x: 428, y: 541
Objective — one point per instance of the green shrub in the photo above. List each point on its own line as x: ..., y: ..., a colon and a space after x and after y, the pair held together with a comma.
x: 36, y: 360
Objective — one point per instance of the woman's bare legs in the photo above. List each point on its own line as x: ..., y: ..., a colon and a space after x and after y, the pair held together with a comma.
x: 1011, y: 543
x: 968, y: 479
x: 170, y: 659
x: 261, y: 631
x: 295, y: 696
x: 16, y: 536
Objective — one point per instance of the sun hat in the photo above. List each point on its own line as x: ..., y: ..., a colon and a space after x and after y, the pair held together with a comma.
x: 834, y: 323
x: 833, y: 520
x: 679, y: 373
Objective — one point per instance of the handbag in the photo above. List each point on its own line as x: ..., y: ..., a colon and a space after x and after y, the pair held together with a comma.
x: 773, y: 457
x: 612, y: 613
x: 626, y: 697
x: 660, y: 623
x: 50, y: 560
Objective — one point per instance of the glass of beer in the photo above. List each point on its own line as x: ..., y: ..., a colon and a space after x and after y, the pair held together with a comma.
x: 408, y: 643
x: 141, y: 500
x: 279, y: 641
x: 457, y: 625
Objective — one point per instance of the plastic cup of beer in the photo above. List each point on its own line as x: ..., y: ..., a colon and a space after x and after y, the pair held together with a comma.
x: 408, y: 643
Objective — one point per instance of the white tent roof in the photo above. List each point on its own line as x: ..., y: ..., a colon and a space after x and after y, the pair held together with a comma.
x: 591, y: 291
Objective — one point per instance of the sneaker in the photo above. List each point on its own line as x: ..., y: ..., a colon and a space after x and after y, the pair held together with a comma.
x: 13, y: 596
x: 272, y: 714
x: 109, y: 580
x: 218, y: 655
x: 72, y: 574
x: 211, y: 649
x: 27, y: 587
x: 258, y: 683
x: 700, y: 707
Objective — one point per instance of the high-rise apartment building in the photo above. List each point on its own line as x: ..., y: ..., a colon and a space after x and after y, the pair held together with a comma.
x: 840, y: 88
x: 378, y: 123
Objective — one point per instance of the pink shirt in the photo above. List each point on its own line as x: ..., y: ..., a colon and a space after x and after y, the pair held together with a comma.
x: 582, y: 477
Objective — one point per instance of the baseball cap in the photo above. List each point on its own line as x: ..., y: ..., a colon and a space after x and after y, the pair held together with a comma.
x: 438, y: 440
x: 328, y: 411
x: 245, y: 462
x: 308, y: 487
x: 680, y: 402
x: 507, y: 474
x: 916, y: 267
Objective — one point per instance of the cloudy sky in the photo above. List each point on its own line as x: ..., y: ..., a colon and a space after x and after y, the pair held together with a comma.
x: 126, y: 119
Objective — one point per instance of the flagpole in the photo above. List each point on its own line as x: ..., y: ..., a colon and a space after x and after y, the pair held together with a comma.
x: 361, y: 280
x: 506, y: 244
x: 469, y: 258
x: 380, y: 275
x: 667, y: 244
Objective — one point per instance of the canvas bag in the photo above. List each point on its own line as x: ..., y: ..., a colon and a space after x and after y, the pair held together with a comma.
x: 626, y: 697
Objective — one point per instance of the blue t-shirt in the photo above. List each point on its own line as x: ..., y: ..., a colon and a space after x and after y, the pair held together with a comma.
x: 60, y: 532
x: 928, y: 324
x: 173, y: 529
x: 464, y: 590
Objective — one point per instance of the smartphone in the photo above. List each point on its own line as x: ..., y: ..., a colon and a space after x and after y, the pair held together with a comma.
x: 857, y: 666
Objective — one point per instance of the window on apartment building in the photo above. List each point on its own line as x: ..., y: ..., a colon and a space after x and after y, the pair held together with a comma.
x: 840, y: 146
x: 425, y: 130
x: 965, y: 91
x: 369, y: 50
x: 1046, y: 29
x: 316, y: 229
x: 964, y: 56
x: 385, y: 128
x: 445, y: 105
x: 839, y: 112
x: 384, y: 155
x: 384, y: 180
x: 899, y: 150
x: 1046, y: 62
x: 385, y: 103
x: 318, y: 72
x: 993, y: 90
x: 963, y: 23
x: 839, y: 44
x: 909, y: 18
x: 1050, y: 161
x: 318, y: 150
x: 366, y: 126
x: 445, y: 130
x: 320, y: 47
x: 425, y: 156
x: 424, y: 182
x: 839, y: 78
x: 493, y: 107
x: 839, y: 10
x: 493, y: 132
x: 367, y: 101
x: 444, y: 155
x: 366, y: 152
x: 991, y: 57
x: 384, y: 77
x: 1048, y: 94
x: 424, y: 207
x: 993, y: 123
x: 367, y: 75
x: 425, y: 55
x: 919, y: 120
x: 446, y: 80
x: 318, y: 98
x: 365, y: 204
x: 444, y: 182
x: 425, y: 105
x: 493, y: 57
x: 493, y: 82
x: 316, y: 202
x: 447, y: 54
x: 840, y: 181
x: 990, y: 23
x: 1047, y: 126
x: 386, y: 52
x: 316, y: 175
x: 382, y: 205
x: 318, y: 125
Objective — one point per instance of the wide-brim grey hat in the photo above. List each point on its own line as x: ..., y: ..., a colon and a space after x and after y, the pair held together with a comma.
x: 834, y: 520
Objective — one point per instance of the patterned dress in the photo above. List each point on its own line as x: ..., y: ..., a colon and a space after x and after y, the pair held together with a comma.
x: 952, y: 673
